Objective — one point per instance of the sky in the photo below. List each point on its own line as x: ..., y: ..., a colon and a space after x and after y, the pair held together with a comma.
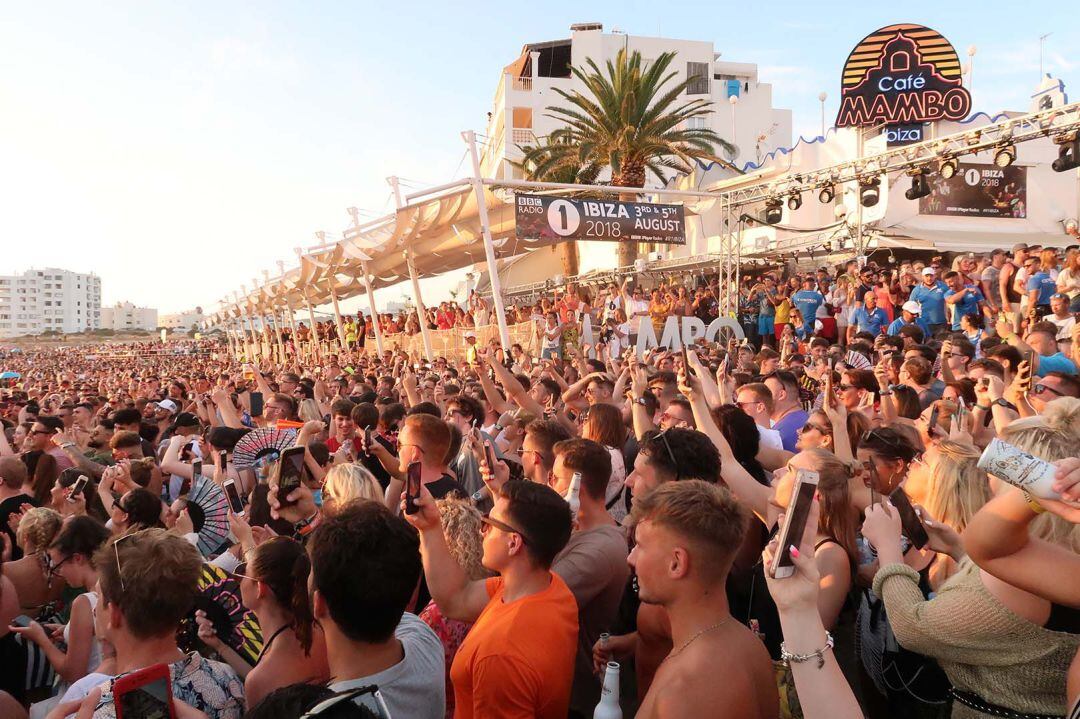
x: 178, y: 149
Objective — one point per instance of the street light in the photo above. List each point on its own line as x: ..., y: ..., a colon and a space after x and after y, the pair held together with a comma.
x: 821, y: 98
x: 733, y: 100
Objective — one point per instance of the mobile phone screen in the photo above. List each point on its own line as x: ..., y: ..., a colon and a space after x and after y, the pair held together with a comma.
x: 236, y: 504
x: 489, y: 455
x: 794, y: 522
x: 412, y: 488
x: 196, y: 469
x: 913, y: 527
x: 292, y: 468
x: 151, y: 701
x: 78, y: 487
x: 256, y: 404
x: 932, y: 421
x: 367, y: 440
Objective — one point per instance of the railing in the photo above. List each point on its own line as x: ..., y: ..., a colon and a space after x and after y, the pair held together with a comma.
x: 523, y: 135
x: 523, y: 83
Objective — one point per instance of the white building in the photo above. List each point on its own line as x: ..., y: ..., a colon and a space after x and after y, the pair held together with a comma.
x: 49, y: 299
x: 183, y: 321
x: 124, y: 317
x: 527, y: 87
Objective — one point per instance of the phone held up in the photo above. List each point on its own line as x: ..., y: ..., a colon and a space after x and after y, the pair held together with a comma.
x: 145, y: 694
x: 909, y: 520
x: 290, y: 472
x: 77, y: 488
x: 236, y: 504
x: 802, y: 497
x: 256, y: 404
x: 412, y: 488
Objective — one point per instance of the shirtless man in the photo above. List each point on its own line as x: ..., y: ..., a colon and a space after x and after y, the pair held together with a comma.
x: 687, y: 533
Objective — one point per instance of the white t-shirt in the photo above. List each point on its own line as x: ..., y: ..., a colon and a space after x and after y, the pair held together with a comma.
x: 1064, y: 326
x: 415, y: 687
x: 636, y: 306
x: 770, y: 438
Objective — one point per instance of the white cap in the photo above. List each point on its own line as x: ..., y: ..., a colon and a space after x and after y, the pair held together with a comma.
x: 470, y: 333
x: 168, y: 405
x: 928, y: 271
x: 913, y: 307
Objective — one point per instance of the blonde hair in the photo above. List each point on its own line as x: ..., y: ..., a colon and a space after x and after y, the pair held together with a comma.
x: 461, y: 527
x: 1052, y: 435
x: 957, y: 488
x: 348, y: 482
x: 309, y: 411
x: 37, y: 529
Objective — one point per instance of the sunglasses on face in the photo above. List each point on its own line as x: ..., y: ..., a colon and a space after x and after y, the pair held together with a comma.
x: 503, y: 526
x: 810, y: 425
x: 1041, y: 388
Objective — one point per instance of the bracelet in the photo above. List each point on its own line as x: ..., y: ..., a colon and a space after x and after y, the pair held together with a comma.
x: 67, y: 445
x: 984, y: 407
x: 1033, y: 505
x: 306, y: 526
x: 884, y: 393
x: 787, y: 657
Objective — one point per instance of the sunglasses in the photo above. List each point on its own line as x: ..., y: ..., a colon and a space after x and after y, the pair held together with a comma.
x: 810, y: 425
x: 878, y: 435
x: 350, y: 695
x: 1040, y: 388
x: 497, y: 524
x: 671, y: 455
x: 116, y: 551
x: 241, y: 572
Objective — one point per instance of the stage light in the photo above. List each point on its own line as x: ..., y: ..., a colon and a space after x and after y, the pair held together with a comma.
x: 774, y: 210
x: 919, y: 186
x: 827, y: 194
x: 948, y: 167
x: 1005, y: 156
x: 1068, y: 153
x: 794, y: 201
x: 869, y: 191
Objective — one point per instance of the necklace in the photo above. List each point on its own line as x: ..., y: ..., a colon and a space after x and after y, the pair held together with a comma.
x: 690, y: 641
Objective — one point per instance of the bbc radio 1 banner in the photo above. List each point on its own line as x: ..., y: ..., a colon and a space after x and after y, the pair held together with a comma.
x: 978, y: 191
x: 558, y: 218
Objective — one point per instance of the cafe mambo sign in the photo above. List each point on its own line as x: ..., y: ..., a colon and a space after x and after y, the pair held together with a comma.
x: 558, y: 218
x: 678, y: 331
x: 902, y: 74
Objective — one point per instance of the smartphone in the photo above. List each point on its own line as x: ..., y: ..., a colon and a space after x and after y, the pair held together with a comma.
x: 236, y: 503
x: 223, y: 460
x: 909, y: 520
x: 489, y: 456
x: 21, y: 621
x: 256, y: 404
x: 412, y: 488
x: 1030, y: 382
x: 77, y: 488
x: 367, y: 440
x: 291, y: 472
x: 802, y: 497
x: 685, y: 360
x: 931, y: 422
x: 145, y: 694
x: 196, y: 469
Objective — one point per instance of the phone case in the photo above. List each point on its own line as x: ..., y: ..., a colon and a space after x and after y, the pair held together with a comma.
x: 135, y: 681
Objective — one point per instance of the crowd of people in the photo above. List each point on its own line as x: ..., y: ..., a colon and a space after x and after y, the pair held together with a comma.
x: 536, y: 532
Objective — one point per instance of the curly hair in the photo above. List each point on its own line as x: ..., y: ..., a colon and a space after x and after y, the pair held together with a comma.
x: 38, y: 528
x: 461, y: 526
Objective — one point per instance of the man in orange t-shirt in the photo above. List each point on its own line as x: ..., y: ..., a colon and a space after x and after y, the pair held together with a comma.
x: 518, y: 658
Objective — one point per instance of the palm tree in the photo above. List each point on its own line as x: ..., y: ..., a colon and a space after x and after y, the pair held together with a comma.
x: 628, y: 120
x: 568, y: 173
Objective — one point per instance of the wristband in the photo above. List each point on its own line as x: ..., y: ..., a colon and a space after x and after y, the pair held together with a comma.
x: 984, y: 407
x: 1033, y: 505
x: 787, y: 657
x: 306, y: 526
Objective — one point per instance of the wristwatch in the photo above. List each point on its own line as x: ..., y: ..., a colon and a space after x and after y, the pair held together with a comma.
x: 639, y: 400
x: 1002, y: 402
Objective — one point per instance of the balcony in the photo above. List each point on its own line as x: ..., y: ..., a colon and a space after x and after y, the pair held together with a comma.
x: 524, y: 84
x: 522, y: 136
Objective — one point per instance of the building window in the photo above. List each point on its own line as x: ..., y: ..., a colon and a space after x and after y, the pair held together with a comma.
x: 697, y: 73
x: 695, y: 123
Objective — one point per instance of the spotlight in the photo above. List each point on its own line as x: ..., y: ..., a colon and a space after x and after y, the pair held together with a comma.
x: 1068, y: 153
x: 794, y: 201
x: 919, y: 186
x: 827, y: 194
x: 948, y: 167
x: 774, y: 210
x: 1005, y: 156
x: 869, y: 191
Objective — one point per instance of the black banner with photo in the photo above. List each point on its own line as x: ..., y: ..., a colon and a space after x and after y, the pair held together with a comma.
x: 559, y: 218
x: 978, y: 191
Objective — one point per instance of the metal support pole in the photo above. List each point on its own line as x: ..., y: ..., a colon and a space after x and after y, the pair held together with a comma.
x: 374, y: 312
x: 277, y: 335
x: 337, y: 318
x: 314, y: 331
x: 292, y: 330
x: 489, y: 248
x: 421, y: 312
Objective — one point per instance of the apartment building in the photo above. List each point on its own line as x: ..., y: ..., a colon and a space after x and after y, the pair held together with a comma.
x: 183, y: 321
x: 125, y: 317
x: 53, y: 299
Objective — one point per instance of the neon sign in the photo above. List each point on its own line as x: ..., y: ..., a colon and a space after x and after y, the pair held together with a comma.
x: 902, y: 74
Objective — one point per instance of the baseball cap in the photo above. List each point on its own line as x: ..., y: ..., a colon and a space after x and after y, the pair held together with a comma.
x: 470, y: 333
x: 912, y: 306
x: 928, y: 271
x: 186, y: 419
x: 168, y: 405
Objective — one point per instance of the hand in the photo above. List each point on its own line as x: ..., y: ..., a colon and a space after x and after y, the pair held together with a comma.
x: 882, y: 526
x: 206, y: 631
x: 1003, y: 328
x: 988, y: 389
x: 1067, y: 479
x: 262, y: 533
x: 313, y: 427
x: 5, y: 554
x: 639, y: 381
x: 299, y: 504
x: 881, y: 372
x: 1017, y: 389
x: 688, y: 383
x: 943, y: 538
x: 241, y: 530
x: 34, y: 632
x: 618, y: 647
x: 800, y: 590
x: 495, y: 478
x: 426, y: 518
x: 836, y: 412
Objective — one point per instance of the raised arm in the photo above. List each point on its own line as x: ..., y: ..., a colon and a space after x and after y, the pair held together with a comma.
x: 172, y: 463
x: 513, y: 388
